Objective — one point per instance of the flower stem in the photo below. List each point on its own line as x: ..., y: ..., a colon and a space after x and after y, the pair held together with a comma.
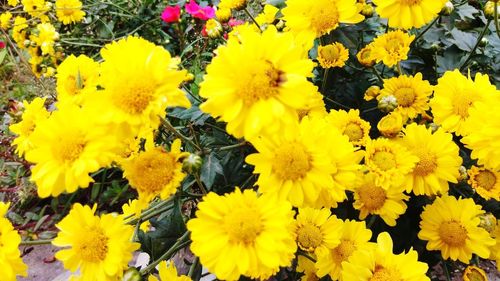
x: 325, y: 80
x: 400, y: 70
x: 182, y: 242
x: 495, y: 14
x: 35, y: 242
x: 445, y: 269
x: 253, y: 19
x: 192, y: 268
x: 306, y: 255
x: 473, y: 51
x: 425, y: 30
x: 380, y: 78
x: 171, y: 128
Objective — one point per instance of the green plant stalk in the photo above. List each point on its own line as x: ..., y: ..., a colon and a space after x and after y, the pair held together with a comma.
x: 473, y: 51
x: 425, y: 30
x: 495, y: 14
x: 182, y: 242
x: 151, y: 208
x: 192, y: 268
x: 35, y: 242
x: 380, y: 78
x: 171, y: 128
x: 400, y: 70
x: 445, y: 269
x: 306, y: 255
x: 151, y: 213
x: 253, y: 19
x: 325, y: 80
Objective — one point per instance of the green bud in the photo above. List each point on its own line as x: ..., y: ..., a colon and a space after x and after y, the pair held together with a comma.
x: 192, y: 163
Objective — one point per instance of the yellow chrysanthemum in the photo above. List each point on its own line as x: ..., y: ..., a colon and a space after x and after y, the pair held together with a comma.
x: 486, y: 182
x: 69, y: 11
x: 168, y: 272
x: 5, y: 20
x: 391, y: 47
x: 454, y: 95
x: 243, y: 234
x: 133, y: 209
x: 372, y: 199
x: 268, y: 15
x: 355, y: 236
x: 34, y: 113
x: 391, y: 125
x: 18, y: 30
x: 350, y: 124
x: 321, y: 16
x: 10, y: 261
x: 412, y: 94
x: 314, y: 107
x: 451, y: 226
x: 408, y: 13
x: 365, y: 57
x: 495, y: 249
x: 333, y: 55
x: 371, y: 93
x: 307, y: 268
x: 474, y: 273
x: 36, y: 8
x: 389, y: 161
x: 99, y: 248
x: 138, y: 88
x: 301, y: 161
x: 66, y: 148
x: 76, y: 76
x: 381, y: 264
x: 233, y: 4
x: 13, y: 2
x: 253, y: 87
x: 45, y: 38
x: 439, y: 160
x: 155, y: 172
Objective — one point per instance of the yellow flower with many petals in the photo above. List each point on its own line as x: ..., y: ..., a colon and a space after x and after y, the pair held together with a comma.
x: 5, y: 20
x: 321, y: 16
x: 46, y: 37
x: 11, y: 262
x: 391, y: 47
x: 69, y: 11
x: 439, y: 160
x: 34, y: 113
x: 98, y: 248
x: 390, y: 125
x: 18, y: 30
x: 253, y: 87
x: 380, y: 263
x: 242, y: 233
x: 350, y: 124
x: 36, y: 8
x: 333, y: 55
x: 168, y: 272
x: 408, y: 13
x: 13, y: 2
x: 314, y: 107
x: 365, y: 57
x: 76, y: 77
x: 486, y: 182
x: 451, y: 226
x: 495, y: 249
x: 233, y: 4
x: 474, y: 273
x: 268, y: 15
x: 133, y: 209
x: 317, y: 228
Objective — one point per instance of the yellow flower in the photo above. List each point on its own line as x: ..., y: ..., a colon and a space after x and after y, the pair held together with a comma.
x: 223, y: 14
x: 76, y: 77
x: 5, y: 20
x: 389, y: 161
x: 306, y: 266
x: 486, y: 182
x: 301, y: 161
x: 391, y: 47
x: 412, y: 94
x: 350, y: 124
x: 373, y: 199
x: 253, y: 87
x: 408, y: 13
x: 47, y: 35
x: 34, y: 113
x: 155, y: 172
x: 439, y: 160
x: 365, y: 57
x: 18, y: 30
x: 380, y: 263
x: 138, y: 88
x: 314, y: 107
x: 213, y: 28
x: 454, y: 95
x: 451, y: 226
x: 390, y: 125
x: 36, y: 8
x: 168, y: 272
x: 99, y: 248
x: 355, y: 236
x: 372, y: 93
x: 11, y: 263
x: 13, y: 2
x: 66, y: 148
x: 243, y: 234
x: 321, y: 16
x: 495, y: 250
x: 69, y: 11
x: 133, y: 209
x: 333, y: 55
x: 233, y: 4
x: 474, y: 273
x: 268, y: 15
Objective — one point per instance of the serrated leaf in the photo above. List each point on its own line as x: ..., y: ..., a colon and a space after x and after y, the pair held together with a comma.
x: 3, y: 53
x: 211, y: 167
x: 466, y: 11
x: 463, y: 40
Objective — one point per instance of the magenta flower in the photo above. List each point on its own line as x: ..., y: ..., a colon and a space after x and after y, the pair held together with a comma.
x: 171, y: 14
x: 2, y: 44
x: 203, y: 13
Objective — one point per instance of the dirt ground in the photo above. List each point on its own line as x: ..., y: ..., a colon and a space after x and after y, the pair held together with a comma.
x: 42, y: 266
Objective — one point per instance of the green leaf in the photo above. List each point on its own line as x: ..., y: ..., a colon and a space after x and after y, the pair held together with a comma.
x: 463, y: 40
x: 211, y: 167
x: 3, y: 53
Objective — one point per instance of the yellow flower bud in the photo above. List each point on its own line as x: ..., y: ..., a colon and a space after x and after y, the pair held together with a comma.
x: 447, y: 9
x: 367, y: 10
x: 365, y: 58
x: 213, y: 28
x: 223, y: 14
x: 390, y: 125
x: 474, y: 273
x: 489, y: 9
x: 372, y: 92
x: 388, y: 103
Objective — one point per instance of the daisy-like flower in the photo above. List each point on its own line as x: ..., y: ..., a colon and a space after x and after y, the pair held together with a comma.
x: 99, y: 248
x: 485, y: 181
x: 451, y: 226
x: 321, y: 16
x: 168, y: 272
x: 155, y: 172
x: 350, y: 124
x: 233, y: 4
x: 11, y: 262
x: 355, y: 236
x: 389, y: 161
x: 253, y: 86
x: 439, y: 160
x: 34, y: 113
x: 333, y: 55
x: 454, y: 95
x: 13, y: 3
x: 19, y: 30
x: 76, y: 77
x: 5, y: 20
x: 365, y: 57
x: 133, y: 209
x: 391, y: 125
x: 294, y: 166
x: 372, y: 199
x: 36, y: 8
x: 314, y: 108
x: 391, y: 47
x: 408, y: 13
x: 317, y: 228
x: 380, y: 263
x: 45, y: 38
x: 242, y: 233
x: 268, y: 15
x: 411, y: 92
x: 69, y: 11
x: 474, y: 273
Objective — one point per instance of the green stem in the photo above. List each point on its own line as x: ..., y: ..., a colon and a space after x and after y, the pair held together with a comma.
x: 495, y: 14
x: 475, y: 46
x: 80, y: 43
x: 192, y: 268
x: 425, y: 30
x: 171, y: 128
x: 253, y: 19
x: 372, y: 220
x: 324, y: 81
x: 400, y: 70
x: 370, y: 109
x: 200, y: 184
x: 380, y: 78
x: 35, y: 242
x: 182, y: 242
x: 306, y: 255
x: 229, y: 147
x: 336, y: 103
x: 147, y: 212
x: 445, y: 269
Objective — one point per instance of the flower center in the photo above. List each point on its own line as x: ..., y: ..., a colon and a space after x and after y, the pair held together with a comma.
x: 384, y: 160
x: 393, y: 45
x: 325, y: 19
x: 405, y: 96
x: 93, y: 246
x: 453, y: 233
x: 353, y: 131
x: 330, y: 53
x: 372, y: 196
x: 292, y: 161
x: 309, y: 237
x: 153, y: 170
x: 68, y: 150
x: 135, y: 100
x: 343, y: 251
x: 243, y: 225
x: 461, y: 104
x: 385, y: 274
x: 427, y: 163
x: 474, y: 274
x: 261, y: 83
x: 486, y: 179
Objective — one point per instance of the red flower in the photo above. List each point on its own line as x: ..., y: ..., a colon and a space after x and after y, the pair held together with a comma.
x: 2, y: 44
x: 203, y: 13
x: 171, y: 14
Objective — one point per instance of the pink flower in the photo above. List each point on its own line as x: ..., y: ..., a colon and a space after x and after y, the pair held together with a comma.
x: 171, y: 14
x: 2, y: 44
x: 203, y: 13
x: 234, y: 22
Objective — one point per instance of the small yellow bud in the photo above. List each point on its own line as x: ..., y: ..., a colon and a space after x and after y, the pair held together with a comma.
x: 489, y: 9
x: 462, y: 174
x: 372, y: 92
x: 213, y: 28
x: 367, y: 10
x: 223, y: 14
x: 364, y: 57
x: 390, y: 125
x: 132, y: 274
x: 474, y: 273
